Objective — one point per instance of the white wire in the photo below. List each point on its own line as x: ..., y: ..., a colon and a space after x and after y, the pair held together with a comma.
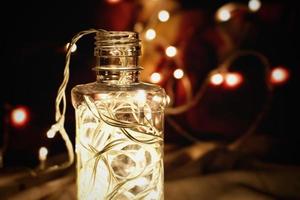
x: 60, y: 103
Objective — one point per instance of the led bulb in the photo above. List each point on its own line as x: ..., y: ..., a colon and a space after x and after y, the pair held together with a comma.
x: 43, y: 152
x: 73, y: 48
x: 51, y: 133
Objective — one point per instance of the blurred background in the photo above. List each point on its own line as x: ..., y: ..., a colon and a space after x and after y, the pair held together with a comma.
x: 230, y: 68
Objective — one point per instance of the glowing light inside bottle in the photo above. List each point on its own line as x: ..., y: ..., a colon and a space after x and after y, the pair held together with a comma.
x: 141, y: 97
x: 119, y: 155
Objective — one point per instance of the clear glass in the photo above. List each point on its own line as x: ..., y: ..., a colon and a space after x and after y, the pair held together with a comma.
x: 119, y: 126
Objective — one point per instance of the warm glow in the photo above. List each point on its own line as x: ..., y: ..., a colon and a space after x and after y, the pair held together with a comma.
x: 141, y: 97
x: 157, y: 98
x: 43, y: 152
x: 19, y: 116
x: 101, y: 96
x: 152, y: 195
x: 233, y: 79
x: 279, y: 75
x: 150, y: 34
x: 73, y: 48
x: 113, y: 1
x: 178, y: 73
x: 163, y: 15
x: 223, y: 15
x: 155, y: 77
x: 171, y: 51
x: 51, y: 133
x: 254, y: 5
x: 216, y: 79
x: 138, y: 27
x: 129, y: 138
x: 168, y: 99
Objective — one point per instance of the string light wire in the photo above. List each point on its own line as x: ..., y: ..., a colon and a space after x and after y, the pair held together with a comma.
x: 60, y: 103
x: 224, y: 67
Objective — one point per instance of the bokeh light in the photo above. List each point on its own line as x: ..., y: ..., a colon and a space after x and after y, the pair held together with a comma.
x: 223, y: 15
x: 233, y: 80
x: 171, y: 51
x: 279, y: 75
x: 150, y: 34
x: 43, y: 152
x: 155, y: 77
x: 163, y: 15
x: 254, y: 5
x: 178, y: 73
x: 19, y: 116
x: 113, y: 1
x: 216, y: 79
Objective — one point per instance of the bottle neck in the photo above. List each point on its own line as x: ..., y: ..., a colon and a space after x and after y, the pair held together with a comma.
x: 118, y: 77
x: 117, y: 55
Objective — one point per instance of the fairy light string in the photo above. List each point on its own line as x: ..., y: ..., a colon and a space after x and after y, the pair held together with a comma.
x: 224, y: 68
x: 192, y: 100
x: 61, y: 105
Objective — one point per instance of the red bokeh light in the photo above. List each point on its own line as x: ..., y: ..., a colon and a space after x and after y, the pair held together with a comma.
x: 233, y: 80
x: 216, y: 79
x: 19, y: 116
x: 113, y: 1
x: 279, y: 75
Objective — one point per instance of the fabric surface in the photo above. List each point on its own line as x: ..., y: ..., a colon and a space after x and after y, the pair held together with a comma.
x: 201, y: 171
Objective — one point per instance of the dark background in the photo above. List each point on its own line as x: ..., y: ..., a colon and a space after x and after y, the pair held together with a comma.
x: 33, y: 36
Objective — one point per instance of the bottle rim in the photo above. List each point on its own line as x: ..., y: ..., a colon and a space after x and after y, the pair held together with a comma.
x: 116, y: 38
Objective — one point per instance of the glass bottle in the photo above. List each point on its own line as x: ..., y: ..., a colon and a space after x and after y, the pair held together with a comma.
x: 119, y: 125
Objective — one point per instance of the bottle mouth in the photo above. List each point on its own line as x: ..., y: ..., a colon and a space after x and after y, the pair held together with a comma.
x: 117, y: 51
x: 117, y: 43
x: 116, y: 37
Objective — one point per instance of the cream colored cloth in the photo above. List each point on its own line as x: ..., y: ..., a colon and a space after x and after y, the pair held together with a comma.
x: 198, y: 172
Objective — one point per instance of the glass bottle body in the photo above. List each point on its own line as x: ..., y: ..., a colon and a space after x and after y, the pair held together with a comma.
x: 119, y: 137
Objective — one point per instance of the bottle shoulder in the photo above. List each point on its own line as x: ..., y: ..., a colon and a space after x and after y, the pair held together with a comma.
x: 114, y: 93
x: 95, y: 87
